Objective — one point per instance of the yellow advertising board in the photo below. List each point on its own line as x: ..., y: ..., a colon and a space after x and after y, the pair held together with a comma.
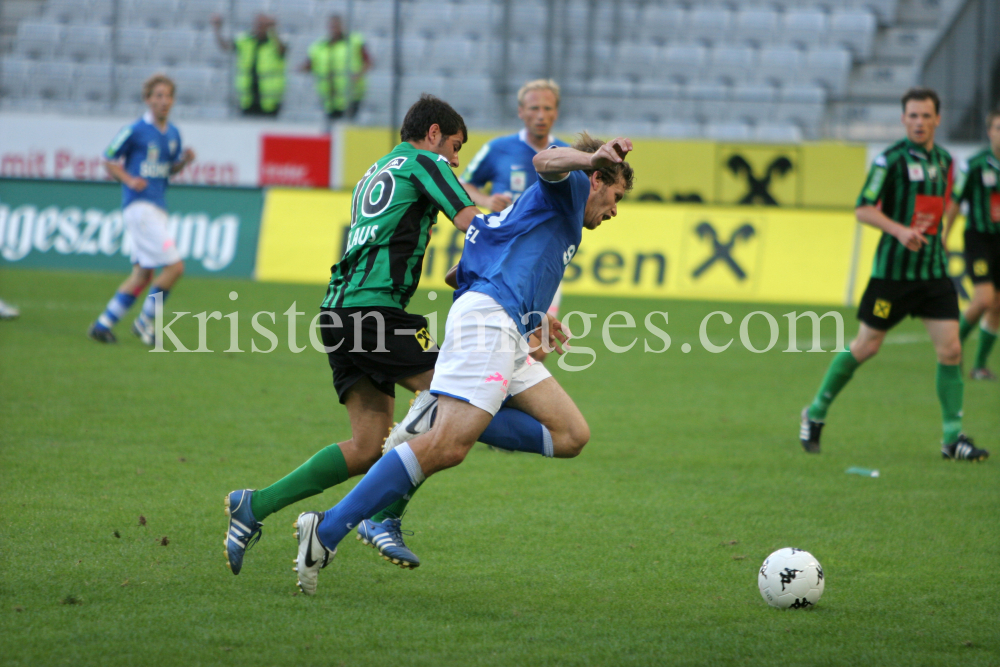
x: 816, y: 175
x: 648, y: 251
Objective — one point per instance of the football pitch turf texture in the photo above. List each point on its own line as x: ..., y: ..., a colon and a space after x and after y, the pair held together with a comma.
x: 643, y: 551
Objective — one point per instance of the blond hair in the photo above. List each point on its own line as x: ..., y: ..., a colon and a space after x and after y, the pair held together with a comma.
x: 152, y: 82
x: 538, y: 84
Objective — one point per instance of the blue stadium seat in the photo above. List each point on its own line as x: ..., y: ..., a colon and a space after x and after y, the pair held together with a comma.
x: 174, y: 46
x: 711, y: 24
x: 779, y: 64
x: 14, y: 76
x: 729, y: 131
x: 684, y: 61
x: 51, y: 80
x: 804, y: 27
x: 93, y: 83
x: 37, y: 41
x: 149, y: 13
x: 855, y: 29
x: 753, y: 101
x: 86, y: 43
x: 830, y: 67
x: 134, y: 45
x: 736, y: 63
x: 661, y: 24
x: 756, y: 25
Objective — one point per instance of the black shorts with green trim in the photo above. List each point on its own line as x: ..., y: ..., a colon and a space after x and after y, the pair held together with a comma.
x: 886, y: 302
x: 982, y: 256
x: 384, y: 345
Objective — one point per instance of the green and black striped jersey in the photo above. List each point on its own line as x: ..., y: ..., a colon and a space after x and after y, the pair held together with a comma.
x: 911, y: 185
x: 394, y: 206
x: 979, y: 185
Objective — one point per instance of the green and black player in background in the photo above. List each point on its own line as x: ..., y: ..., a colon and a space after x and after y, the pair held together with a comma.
x: 905, y: 196
x: 371, y: 341
x: 978, y: 185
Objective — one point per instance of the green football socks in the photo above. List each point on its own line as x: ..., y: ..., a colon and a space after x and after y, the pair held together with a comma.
x: 326, y: 468
x: 395, y: 510
x: 963, y: 327
x: 950, y: 391
x: 986, y: 340
x: 840, y: 372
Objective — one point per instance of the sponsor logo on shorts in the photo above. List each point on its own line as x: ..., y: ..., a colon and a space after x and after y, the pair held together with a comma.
x: 882, y: 308
x: 425, y: 340
x: 980, y: 267
x: 497, y: 377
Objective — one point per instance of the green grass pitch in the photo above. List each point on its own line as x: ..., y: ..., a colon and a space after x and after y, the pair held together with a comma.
x: 643, y: 551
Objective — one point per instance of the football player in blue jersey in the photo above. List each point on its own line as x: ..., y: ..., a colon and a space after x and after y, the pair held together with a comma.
x: 142, y: 157
x: 505, y: 162
x: 510, y: 267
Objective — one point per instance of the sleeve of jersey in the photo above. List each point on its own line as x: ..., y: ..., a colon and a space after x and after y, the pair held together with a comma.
x: 478, y: 171
x: 569, y: 194
x: 872, y: 191
x: 959, y: 191
x: 119, y: 145
x: 438, y: 182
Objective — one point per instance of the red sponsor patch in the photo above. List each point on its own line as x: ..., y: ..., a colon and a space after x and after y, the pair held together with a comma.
x: 927, y: 212
x: 995, y: 207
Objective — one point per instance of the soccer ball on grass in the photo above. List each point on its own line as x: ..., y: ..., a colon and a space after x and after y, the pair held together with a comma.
x: 791, y: 578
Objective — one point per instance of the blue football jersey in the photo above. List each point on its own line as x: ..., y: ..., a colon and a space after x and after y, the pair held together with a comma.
x: 506, y: 163
x: 518, y: 256
x: 148, y: 153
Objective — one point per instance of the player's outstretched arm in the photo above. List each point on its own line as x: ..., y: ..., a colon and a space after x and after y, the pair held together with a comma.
x: 117, y: 172
x: 553, y: 164
x: 495, y: 202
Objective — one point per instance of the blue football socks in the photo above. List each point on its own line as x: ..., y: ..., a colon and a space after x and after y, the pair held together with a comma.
x: 517, y: 431
x: 147, y: 318
x: 115, y: 310
x: 392, y: 477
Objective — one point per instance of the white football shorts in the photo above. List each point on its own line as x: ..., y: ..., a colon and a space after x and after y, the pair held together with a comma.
x: 152, y: 245
x: 484, y: 357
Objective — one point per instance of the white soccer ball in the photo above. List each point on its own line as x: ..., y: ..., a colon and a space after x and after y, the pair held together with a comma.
x: 791, y: 578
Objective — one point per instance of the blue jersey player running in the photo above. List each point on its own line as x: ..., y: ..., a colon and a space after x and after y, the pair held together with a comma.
x: 510, y: 268
x: 505, y: 162
x: 142, y: 157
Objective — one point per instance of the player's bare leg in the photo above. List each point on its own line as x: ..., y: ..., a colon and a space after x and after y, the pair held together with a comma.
x: 549, y: 403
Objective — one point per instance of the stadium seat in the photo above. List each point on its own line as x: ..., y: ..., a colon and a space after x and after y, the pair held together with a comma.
x: 246, y: 10
x: 678, y: 129
x: 414, y: 86
x: 379, y: 89
x: 173, y: 47
x: 526, y: 60
x: 735, y: 63
x: 14, y: 76
x: 196, y: 85
x: 709, y: 23
x: 756, y: 25
x: 885, y: 10
x: 710, y: 98
x: 661, y: 24
x: 753, y: 101
x: 37, y: 41
x: 51, y: 80
x: 683, y: 61
x: 778, y: 133
x: 128, y: 82
x: 67, y: 11
x: 86, y: 43
x: 149, y: 13
x: 634, y: 59
x: 829, y: 67
x: 428, y: 19
x: 802, y: 104
x: 455, y: 57
x: 414, y: 54
x: 134, y: 45
x: 207, y: 51
x: 779, y: 64
x: 728, y: 131
x: 198, y: 14
x: 473, y: 19
x: 375, y: 19
x: 803, y: 27
x: 93, y: 83
x: 298, y: 16
x: 855, y: 29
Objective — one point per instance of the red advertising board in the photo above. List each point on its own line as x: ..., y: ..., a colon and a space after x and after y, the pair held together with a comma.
x: 297, y: 161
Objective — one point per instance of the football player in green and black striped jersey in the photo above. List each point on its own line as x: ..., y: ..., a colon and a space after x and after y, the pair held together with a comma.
x: 905, y: 196
x: 372, y: 343
x: 978, y: 185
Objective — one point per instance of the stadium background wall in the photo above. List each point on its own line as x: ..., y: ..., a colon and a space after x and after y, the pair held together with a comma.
x: 650, y: 250
x: 822, y: 174
x: 78, y: 226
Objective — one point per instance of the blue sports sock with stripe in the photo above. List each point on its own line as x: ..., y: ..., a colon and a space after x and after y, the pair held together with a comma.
x: 392, y: 477
x: 517, y: 431
x: 115, y: 310
x: 148, y: 315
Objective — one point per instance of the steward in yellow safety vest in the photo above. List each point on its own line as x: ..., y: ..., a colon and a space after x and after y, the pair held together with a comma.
x: 260, y: 65
x: 339, y: 63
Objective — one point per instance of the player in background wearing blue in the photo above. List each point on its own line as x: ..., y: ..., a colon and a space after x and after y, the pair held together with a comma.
x: 510, y: 267
x: 505, y: 162
x: 142, y: 157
